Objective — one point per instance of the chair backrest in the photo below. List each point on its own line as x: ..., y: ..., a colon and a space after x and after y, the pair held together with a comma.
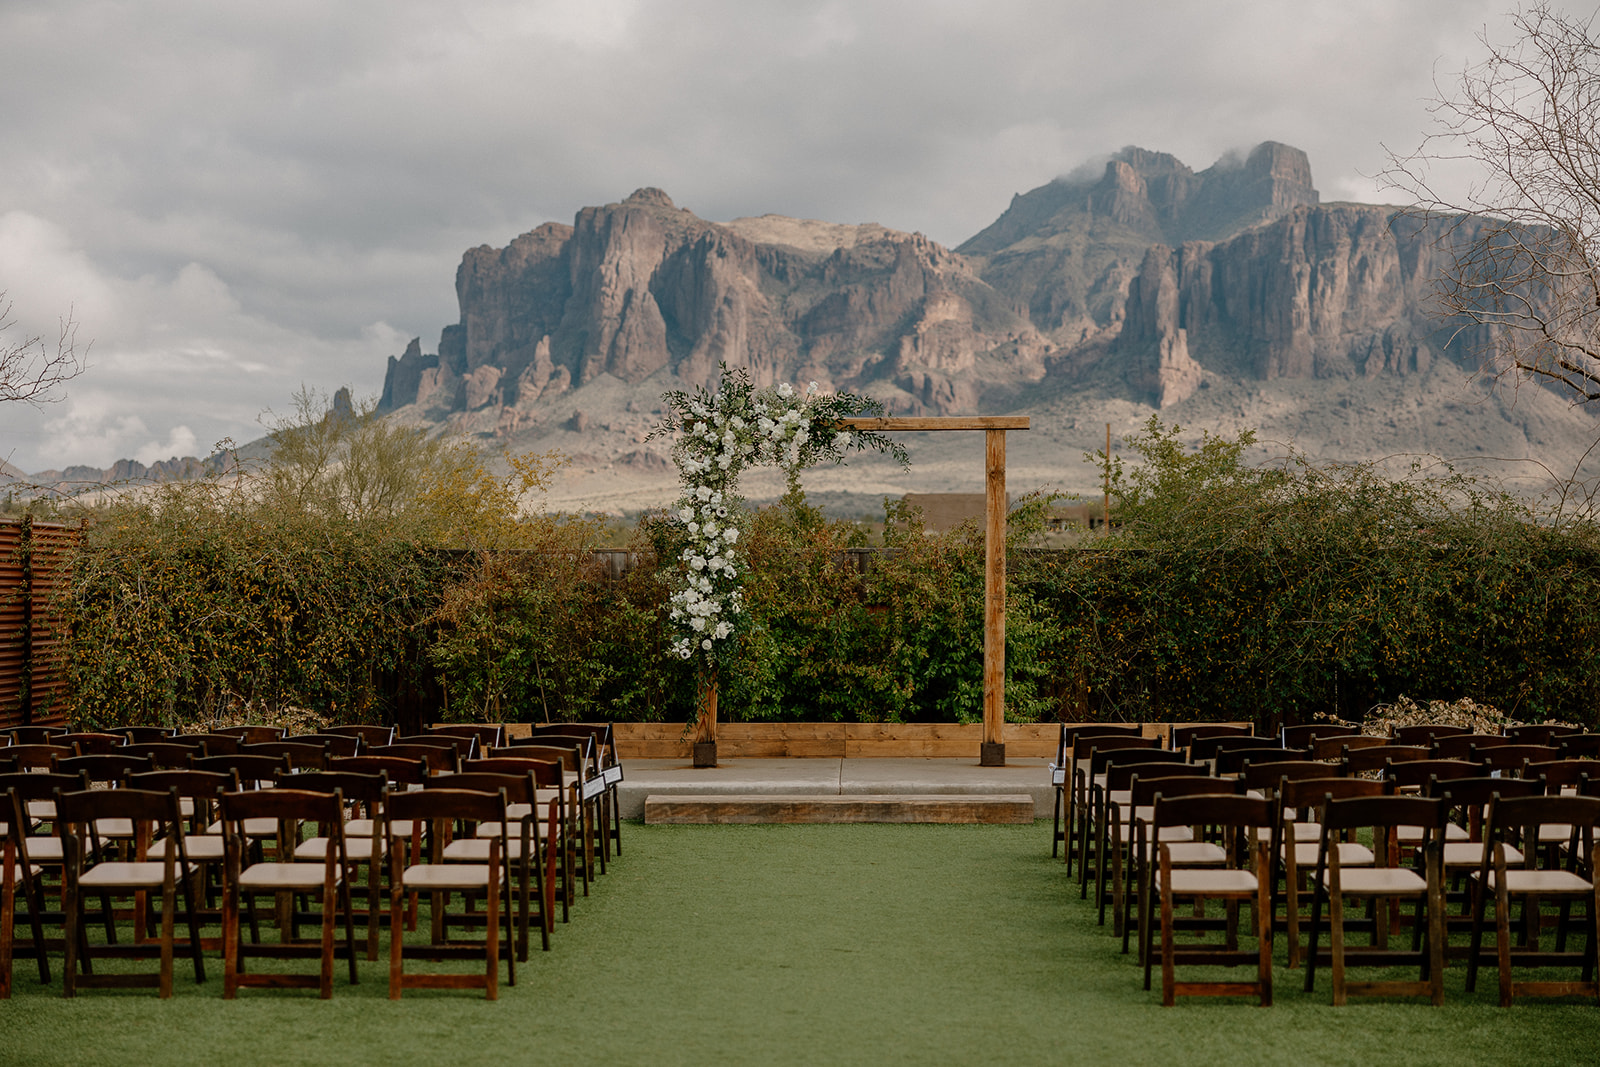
x: 164, y: 754
x: 1342, y: 816
x: 1332, y: 747
x: 1424, y: 733
x: 332, y: 744
x: 1082, y: 746
x: 249, y: 770
x: 1562, y: 773
x: 368, y: 735
x: 37, y: 756
x: 450, y: 804
x: 1525, y: 815
x: 588, y: 750
x: 1183, y: 735
x: 1508, y: 759
x: 75, y: 812
x: 440, y: 759
x: 110, y: 767
x: 1417, y: 773
x: 214, y: 744
x: 1376, y: 758
x: 42, y: 785
x: 251, y: 735
x: 1308, y: 794
x: 33, y: 735
x: 518, y: 788
x: 569, y: 756
x: 602, y: 732
x: 1540, y: 733
x: 1472, y: 796
x: 1307, y: 735
x: 355, y: 787
x: 1230, y: 761
x: 1577, y: 746
x: 88, y: 743
x: 1145, y: 789
x: 300, y: 755
x: 464, y: 747
x: 489, y: 735
x: 293, y: 807
x: 546, y: 773
x: 1209, y: 748
x: 1267, y: 774
x: 205, y: 788
x: 1461, y: 746
x: 143, y: 733
x: 1217, y: 810
x: 1119, y: 775
x: 1099, y: 760
x: 400, y: 770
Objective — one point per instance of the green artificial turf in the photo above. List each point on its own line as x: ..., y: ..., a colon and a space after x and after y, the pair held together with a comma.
x: 800, y: 944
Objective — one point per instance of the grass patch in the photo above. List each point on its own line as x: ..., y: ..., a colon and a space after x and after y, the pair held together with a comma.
x: 799, y: 944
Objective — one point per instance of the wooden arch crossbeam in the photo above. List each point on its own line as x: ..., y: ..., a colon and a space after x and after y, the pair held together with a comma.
x: 992, y: 753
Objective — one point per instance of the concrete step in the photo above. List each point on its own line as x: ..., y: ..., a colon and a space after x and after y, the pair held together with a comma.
x: 705, y: 809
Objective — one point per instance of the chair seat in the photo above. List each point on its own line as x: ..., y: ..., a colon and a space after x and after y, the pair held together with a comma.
x: 1210, y: 882
x: 114, y: 827
x: 1378, y: 881
x: 252, y: 828
x: 1191, y: 853
x: 476, y: 850
x: 363, y: 828
x: 202, y: 848
x: 1540, y: 882
x: 1470, y: 854
x: 356, y: 849
x: 273, y: 876
x: 514, y: 832
x: 120, y: 875
x: 1350, y: 854
x: 42, y: 809
x: 45, y: 848
x: 1412, y: 835
x: 427, y: 876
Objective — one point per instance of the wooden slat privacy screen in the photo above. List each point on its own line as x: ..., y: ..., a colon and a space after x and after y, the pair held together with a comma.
x: 34, y: 560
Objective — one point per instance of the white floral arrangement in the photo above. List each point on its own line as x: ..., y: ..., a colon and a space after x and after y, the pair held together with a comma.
x: 718, y: 434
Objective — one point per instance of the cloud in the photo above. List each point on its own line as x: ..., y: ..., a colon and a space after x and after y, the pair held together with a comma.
x: 235, y: 198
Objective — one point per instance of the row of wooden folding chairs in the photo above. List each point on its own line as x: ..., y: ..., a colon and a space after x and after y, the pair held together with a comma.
x: 1239, y: 868
x: 556, y: 829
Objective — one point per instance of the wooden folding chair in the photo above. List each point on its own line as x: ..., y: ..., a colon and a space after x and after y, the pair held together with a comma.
x: 524, y: 854
x: 1238, y: 818
x: 1385, y: 881
x: 442, y: 808
x: 1530, y: 885
x: 90, y: 868
x: 282, y: 878
x: 363, y: 796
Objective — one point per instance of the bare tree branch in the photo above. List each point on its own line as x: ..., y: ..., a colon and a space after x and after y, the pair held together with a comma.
x: 1524, y: 241
x: 31, y: 371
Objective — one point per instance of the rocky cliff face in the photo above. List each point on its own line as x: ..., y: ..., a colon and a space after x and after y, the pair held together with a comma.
x: 1335, y: 291
x: 634, y: 289
x: 1167, y: 276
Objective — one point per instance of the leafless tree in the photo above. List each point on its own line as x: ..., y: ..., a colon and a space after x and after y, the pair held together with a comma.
x: 1525, y: 237
x: 31, y: 370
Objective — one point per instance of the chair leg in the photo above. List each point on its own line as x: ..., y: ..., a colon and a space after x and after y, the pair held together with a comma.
x: 169, y: 915
x: 1168, y: 978
x: 8, y: 916
x: 1336, y: 942
x: 1502, y: 922
x: 1264, y: 925
x: 73, y: 922
x: 396, y: 928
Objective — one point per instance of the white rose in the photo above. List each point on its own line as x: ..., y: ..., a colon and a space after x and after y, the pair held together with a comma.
x: 698, y: 563
x: 697, y: 623
x: 694, y: 527
x: 703, y: 492
x: 785, y: 390
x: 731, y: 535
x: 706, y: 644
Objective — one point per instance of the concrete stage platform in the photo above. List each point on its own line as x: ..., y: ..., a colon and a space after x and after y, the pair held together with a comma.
x: 798, y: 777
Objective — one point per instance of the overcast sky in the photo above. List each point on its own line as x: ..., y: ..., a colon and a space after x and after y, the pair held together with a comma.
x: 234, y: 199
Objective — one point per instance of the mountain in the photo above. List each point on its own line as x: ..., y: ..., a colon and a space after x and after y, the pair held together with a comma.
x: 642, y: 287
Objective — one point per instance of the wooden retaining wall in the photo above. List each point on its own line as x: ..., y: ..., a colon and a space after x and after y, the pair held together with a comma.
x: 853, y: 740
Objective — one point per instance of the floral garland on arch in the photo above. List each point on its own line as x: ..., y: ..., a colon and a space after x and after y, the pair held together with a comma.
x: 719, y: 433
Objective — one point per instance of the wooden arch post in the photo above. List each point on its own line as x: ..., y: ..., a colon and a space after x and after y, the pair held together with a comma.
x: 992, y: 753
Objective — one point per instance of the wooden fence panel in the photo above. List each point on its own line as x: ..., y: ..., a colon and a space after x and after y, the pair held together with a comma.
x: 35, y: 561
